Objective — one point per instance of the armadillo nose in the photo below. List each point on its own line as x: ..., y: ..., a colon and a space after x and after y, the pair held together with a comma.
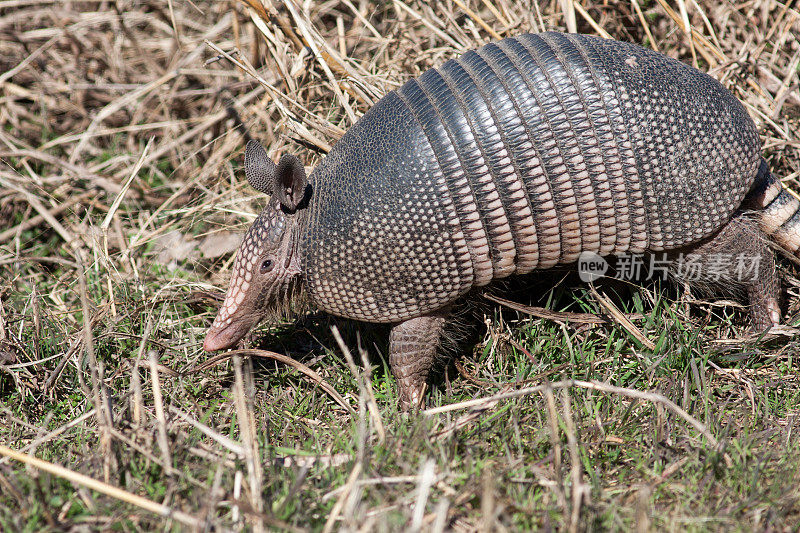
x: 220, y: 338
x: 214, y: 341
x: 228, y: 334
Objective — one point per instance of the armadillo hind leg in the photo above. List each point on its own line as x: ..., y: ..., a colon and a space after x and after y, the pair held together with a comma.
x: 412, y: 348
x: 736, y: 259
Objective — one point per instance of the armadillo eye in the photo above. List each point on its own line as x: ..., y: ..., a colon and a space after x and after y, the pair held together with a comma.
x: 266, y: 266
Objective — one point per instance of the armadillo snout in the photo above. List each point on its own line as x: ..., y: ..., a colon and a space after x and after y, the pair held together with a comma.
x: 222, y: 335
x: 264, y: 277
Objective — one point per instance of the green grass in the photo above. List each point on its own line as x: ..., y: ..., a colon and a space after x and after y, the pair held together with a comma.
x: 635, y: 459
x: 565, y: 459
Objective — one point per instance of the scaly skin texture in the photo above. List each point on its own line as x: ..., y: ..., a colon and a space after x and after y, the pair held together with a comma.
x: 412, y: 349
x: 266, y: 273
x: 517, y: 156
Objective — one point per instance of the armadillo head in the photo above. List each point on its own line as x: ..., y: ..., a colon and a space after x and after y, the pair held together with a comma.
x: 266, y: 273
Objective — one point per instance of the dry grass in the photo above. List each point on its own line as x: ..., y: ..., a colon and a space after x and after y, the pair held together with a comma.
x: 120, y: 205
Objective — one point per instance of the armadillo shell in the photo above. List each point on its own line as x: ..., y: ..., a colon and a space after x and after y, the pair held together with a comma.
x: 518, y: 156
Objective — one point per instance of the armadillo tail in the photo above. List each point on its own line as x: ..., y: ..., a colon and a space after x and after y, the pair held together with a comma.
x: 779, y: 210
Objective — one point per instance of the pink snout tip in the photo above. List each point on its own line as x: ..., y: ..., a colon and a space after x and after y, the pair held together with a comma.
x: 214, y: 341
x: 221, y: 338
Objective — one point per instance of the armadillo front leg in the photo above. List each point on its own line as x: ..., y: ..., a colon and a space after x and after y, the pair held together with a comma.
x: 412, y: 347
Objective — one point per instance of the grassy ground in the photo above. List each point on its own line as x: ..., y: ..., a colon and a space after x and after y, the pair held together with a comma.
x: 121, y: 201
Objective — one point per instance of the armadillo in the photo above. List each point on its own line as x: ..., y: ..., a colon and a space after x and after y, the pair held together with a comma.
x: 517, y: 156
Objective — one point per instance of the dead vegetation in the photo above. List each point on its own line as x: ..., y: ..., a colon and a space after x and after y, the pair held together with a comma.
x: 122, y: 129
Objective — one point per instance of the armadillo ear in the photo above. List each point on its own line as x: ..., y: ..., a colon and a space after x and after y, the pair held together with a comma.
x: 290, y: 182
x: 258, y: 167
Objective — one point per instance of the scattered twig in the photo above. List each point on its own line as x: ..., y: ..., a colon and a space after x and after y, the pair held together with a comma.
x: 316, y: 378
x: 247, y: 430
x: 158, y: 402
x: 105, y: 488
x: 364, y: 382
x: 559, y: 316
x: 337, y: 508
x: 38, y: 219
x: 474, y: 16
x: 621, y: 318
x: 592, y: 385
